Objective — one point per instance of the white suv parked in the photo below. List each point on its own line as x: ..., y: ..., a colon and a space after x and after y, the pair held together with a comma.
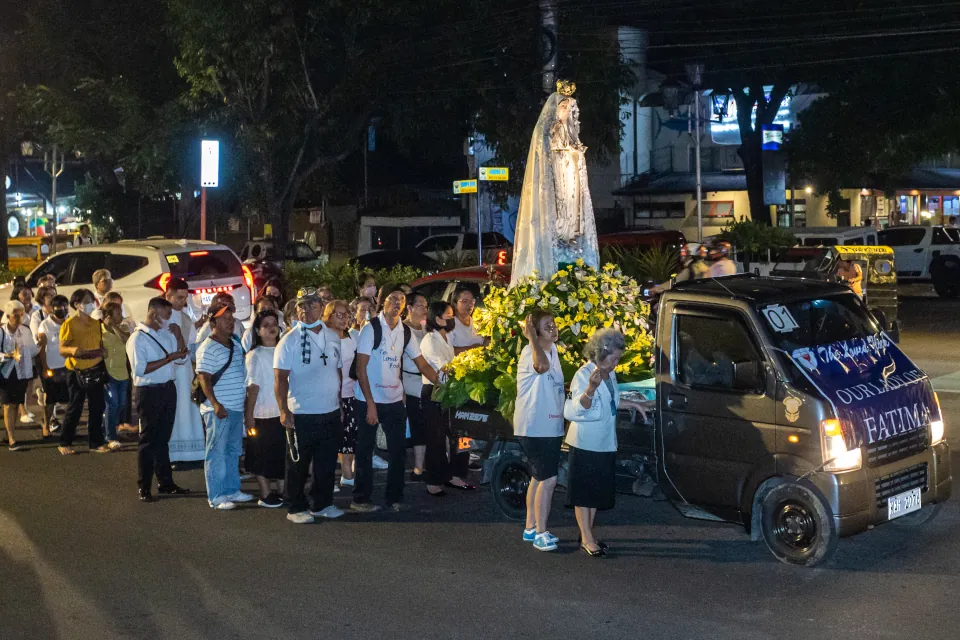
x: 926, y: 254
x: 141, y: 270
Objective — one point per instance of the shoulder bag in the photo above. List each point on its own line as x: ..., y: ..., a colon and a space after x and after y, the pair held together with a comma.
x: 96, y: 376
x: 196, y: 391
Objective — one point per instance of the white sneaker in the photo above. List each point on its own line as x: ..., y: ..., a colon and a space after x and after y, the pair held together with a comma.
x: 225, y: 505
x: 346, y: 483
x: 114, y: 445
x: 330, y: 512
x: 380, y: 463
x: 336, y: 489
x: 303, y: 517
x: 240, y: 496
x: 27, y: 419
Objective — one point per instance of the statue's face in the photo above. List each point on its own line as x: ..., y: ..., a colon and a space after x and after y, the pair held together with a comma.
x: 563, y: 110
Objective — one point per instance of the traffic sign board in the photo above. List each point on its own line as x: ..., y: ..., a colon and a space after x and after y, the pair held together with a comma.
x: 464, y: 186
x: 495, y: 174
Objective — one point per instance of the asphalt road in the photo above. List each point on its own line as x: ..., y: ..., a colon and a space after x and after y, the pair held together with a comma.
x: 81, y: 558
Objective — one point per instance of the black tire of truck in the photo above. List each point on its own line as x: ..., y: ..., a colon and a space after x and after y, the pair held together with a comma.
x: 946, y: 278
x: 797, y: 525
x: 509, y: 481
x: 918, y: 518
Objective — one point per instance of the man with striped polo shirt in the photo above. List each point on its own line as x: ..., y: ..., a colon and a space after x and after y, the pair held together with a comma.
x: 222, y: 373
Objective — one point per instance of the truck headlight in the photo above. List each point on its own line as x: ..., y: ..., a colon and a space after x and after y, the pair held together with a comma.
x: 836, y: 456
x: 936, y: 427
x: 936, y: 432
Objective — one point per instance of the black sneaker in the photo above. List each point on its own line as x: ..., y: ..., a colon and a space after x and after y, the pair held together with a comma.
x: 272, y: 501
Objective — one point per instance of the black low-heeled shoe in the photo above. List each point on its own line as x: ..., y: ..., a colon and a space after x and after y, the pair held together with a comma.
x: 599, y: 553
x: 465, y: 487
x: 603, y: 545
x: 438, y: 494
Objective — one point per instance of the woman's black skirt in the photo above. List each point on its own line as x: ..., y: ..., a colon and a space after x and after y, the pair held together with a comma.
x: 591, y: 481
x: 266, y: 449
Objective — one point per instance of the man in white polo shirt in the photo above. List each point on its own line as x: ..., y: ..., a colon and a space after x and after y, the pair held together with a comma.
x: 307, y: 367
x: 379, y: 397
x: 155, y: 352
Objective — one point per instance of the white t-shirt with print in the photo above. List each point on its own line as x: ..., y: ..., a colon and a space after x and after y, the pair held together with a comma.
x: 314, y: 386
x: 383, y: 369
x: 231, y: 388
x: 260, y: 373
x: 540, y: 396
x: 51, y: 329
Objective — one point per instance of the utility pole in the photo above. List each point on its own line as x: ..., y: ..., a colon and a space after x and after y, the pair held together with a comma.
x: 54, y: 168
x: 548, y: 43
x: 695, y: 75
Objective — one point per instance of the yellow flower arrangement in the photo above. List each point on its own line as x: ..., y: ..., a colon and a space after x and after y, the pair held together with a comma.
x: 581, y: 299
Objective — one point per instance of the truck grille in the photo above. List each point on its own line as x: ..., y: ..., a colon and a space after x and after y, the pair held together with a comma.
x: 897, y: 448
x: 903, y: 480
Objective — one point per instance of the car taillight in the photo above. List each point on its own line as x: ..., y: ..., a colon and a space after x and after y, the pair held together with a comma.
x: 248, y: 278
x: 160, y: 282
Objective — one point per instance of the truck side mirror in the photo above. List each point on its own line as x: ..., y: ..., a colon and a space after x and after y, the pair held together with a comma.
x: 747, y: 376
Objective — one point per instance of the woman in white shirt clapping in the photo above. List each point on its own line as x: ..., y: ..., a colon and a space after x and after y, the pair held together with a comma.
x: 445, y: 464
x: 592, y: 436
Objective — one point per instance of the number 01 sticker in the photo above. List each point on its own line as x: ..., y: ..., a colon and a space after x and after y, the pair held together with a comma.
x: 779, y: 319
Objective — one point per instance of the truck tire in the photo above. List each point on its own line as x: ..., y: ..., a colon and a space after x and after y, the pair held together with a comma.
x: 797, y: 525
x: 946, y: 278
x: 918, y: 518
x: 509, y: 481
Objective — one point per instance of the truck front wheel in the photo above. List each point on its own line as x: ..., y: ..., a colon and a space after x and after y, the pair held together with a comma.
x: 797, y: 525
x: 946, y: 279
x: 509, y: 482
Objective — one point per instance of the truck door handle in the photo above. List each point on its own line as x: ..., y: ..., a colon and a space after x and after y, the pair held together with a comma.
x: 676, y: 401
x: 918, y: 250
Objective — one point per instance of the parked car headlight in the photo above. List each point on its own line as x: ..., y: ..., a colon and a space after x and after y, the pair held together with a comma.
x: 836, y: 456
x: 936, y: 427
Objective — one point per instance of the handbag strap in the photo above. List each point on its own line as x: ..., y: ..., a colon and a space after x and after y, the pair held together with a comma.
x: 219, y: 374
x: 165, y: 352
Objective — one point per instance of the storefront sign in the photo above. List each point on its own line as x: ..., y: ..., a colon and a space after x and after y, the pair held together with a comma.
x: 209, y: 163
x: 876, y: 391
x: 464, y: 186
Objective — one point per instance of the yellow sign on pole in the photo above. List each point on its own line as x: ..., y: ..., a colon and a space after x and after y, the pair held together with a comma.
x: 268, y: 231
x: 495, y: 174
x: 464, y: 186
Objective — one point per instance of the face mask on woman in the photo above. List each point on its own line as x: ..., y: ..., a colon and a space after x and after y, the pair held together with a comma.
x: 89, y: 308
x: 60, y: 313
x: 451, y: 324
x: 369, y: 292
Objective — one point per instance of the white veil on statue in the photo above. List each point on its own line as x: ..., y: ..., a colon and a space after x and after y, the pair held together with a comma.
x: 537, y: 247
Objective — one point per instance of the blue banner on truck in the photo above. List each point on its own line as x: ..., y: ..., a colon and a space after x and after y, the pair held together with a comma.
x: 876, y: 391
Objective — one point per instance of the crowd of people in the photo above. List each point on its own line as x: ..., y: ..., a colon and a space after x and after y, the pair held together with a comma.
x: 302, y: 391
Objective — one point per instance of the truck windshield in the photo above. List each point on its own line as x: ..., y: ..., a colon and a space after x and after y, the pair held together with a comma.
x: 820, y: 321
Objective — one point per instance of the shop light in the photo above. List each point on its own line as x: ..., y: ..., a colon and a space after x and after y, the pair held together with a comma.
x: 926, y: 214
x: 808, y: 189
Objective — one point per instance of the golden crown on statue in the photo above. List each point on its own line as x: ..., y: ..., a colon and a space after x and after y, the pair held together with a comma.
x: 565, y: 88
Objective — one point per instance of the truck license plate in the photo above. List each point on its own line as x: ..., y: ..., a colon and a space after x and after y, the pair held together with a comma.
x: 206, y: 298
x: 903, y: 503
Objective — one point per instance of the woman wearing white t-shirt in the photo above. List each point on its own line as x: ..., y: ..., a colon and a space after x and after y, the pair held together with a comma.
x: 464, y: 336
x: 445, y: 464
x: 538, y: 421
x: 266, y: 438
x: 53, y: 366
x: 592, y: 437
x: 412, y: 383
x: 337, y: 317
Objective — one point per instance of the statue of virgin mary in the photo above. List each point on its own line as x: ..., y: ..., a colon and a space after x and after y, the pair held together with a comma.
x: 555, y: 224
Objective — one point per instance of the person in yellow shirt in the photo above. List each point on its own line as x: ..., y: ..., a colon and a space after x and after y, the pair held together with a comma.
x: 115, y: 336
x: 81, y: 344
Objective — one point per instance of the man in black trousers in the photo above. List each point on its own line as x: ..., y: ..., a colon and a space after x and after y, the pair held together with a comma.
x: 154, y: 349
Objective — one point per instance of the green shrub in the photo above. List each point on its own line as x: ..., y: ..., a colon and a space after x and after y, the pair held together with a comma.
x: 7, y: 275
x: 643, y: 264
x: 341, y: 277
x: 754, y: 240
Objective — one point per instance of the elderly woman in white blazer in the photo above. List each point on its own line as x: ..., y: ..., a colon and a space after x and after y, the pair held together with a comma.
x: 592, y: 436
